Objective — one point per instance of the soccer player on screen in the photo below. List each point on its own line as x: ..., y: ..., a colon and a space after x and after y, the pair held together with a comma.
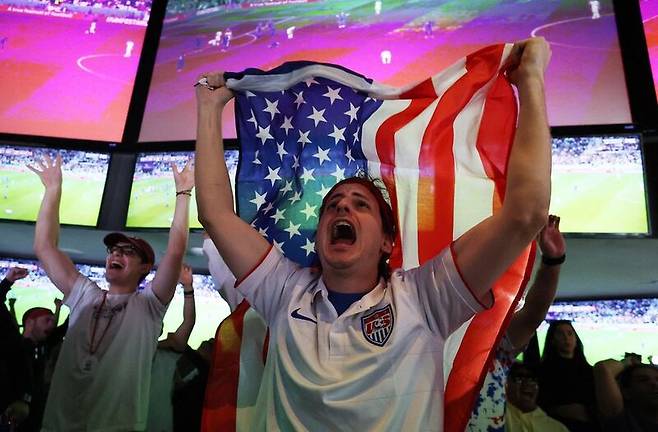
x: 354, y: 346
x: 101, y: 381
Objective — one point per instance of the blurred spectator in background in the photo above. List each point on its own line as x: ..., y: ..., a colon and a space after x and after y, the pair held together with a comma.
x: 522, y: 413
x: 15, y: 379
x: 566, y: 379
x: 169, y: 351
x: 489, y: 412
x: 627, y: 395
x: 41, y: 341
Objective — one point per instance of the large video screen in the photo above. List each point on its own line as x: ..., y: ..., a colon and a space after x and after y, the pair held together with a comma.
x: 394, y: 42
x: 37, y: 290
x: 68, y: 66
x: 598, y: 185
x: 649, y: 11
x: 610, y: 328
x: 152, y: 197
x: 83, y: 182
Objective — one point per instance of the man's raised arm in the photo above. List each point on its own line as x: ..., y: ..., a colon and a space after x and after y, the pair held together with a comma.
x: 177, y: 340
x: 238, y: 243
x: 58, y: 266
x: 488, y: 249
x: 166, y: 277
x: 542, y: 292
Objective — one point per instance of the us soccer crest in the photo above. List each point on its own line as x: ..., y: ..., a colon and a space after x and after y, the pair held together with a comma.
x: 378, y: 326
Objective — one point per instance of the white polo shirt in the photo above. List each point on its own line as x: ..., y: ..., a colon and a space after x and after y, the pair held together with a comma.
x: 379, y: 366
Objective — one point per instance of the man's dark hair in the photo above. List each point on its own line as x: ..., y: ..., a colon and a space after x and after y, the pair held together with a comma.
x: 517, y: 367
x: 626, y: 376
x: 389, y: 222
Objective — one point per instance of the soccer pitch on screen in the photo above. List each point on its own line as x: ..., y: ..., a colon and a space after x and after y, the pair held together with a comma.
x: 83, y: 182
x: 598, y: 185
x: 153, y: 193
x: 610, y: 328
x: 37, y: 290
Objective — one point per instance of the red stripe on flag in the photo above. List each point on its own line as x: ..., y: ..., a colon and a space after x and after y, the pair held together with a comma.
x: 220, y: 402
x: 436, y: 161
x: 385, y: 145
x: 479, y: 343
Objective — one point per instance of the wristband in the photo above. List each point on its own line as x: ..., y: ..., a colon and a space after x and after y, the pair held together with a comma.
x: 187, y: 192
x: 188, y: 292
x: 553, y: 261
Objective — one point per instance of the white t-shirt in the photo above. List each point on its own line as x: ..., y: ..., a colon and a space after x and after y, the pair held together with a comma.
x: 379, y: 366
x: 108, y: 391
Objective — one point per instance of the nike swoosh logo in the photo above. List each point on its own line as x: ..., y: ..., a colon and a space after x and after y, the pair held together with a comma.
x: 295, y: 314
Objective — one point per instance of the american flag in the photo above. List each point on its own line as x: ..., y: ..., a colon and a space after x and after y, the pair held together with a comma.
x: 441, y: 147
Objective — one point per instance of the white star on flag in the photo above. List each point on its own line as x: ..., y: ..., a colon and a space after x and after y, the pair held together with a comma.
x: 281, y: 149
x: 264, y: 134
x: 307, y: 175
x: 267, y: 208
x: 259, y: 199
x: 303, y: 138
x: 292, y: 229
x: 352, y: 112
x: 310, y: 81
x: 323, y: 190
x: 287, y: 124
x: 309, y: 247
x: 272, y: 108
x: 317, y: 116
x: 295, y: 197
x: 253, y: 120
x: 338, y: 134
x: 309, y: 211
x: 322, y: 155
x: 332, y: 94
x: 299, y: 99
x: 278, y: 215
x: 273, y: 175
x: 339, y: 173
x: 287, y: 187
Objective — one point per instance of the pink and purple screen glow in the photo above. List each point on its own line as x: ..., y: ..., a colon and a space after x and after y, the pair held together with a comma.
x: 68, y: 67
x: 392, y: 41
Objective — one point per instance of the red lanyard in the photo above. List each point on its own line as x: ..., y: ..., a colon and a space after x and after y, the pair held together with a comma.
x: 92, y: 349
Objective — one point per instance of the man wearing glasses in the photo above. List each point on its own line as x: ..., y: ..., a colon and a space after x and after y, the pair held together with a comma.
x: 522, y: 412
x: 102, y: 377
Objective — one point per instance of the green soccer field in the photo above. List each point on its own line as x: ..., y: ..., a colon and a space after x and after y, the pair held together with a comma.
x: 599, y: 202
x: 21, y: 193
x: 152, y: 202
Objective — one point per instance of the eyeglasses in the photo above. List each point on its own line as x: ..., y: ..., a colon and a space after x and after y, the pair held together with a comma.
x: 524, y: 380
x: 125, y: 250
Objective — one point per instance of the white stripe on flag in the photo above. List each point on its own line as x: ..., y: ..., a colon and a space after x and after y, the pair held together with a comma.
x: 369, y: 132
x: 408, y: 141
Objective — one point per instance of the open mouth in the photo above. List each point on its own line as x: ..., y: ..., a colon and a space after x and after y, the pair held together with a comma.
x: 116, y: 265
x: 342, y: 232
